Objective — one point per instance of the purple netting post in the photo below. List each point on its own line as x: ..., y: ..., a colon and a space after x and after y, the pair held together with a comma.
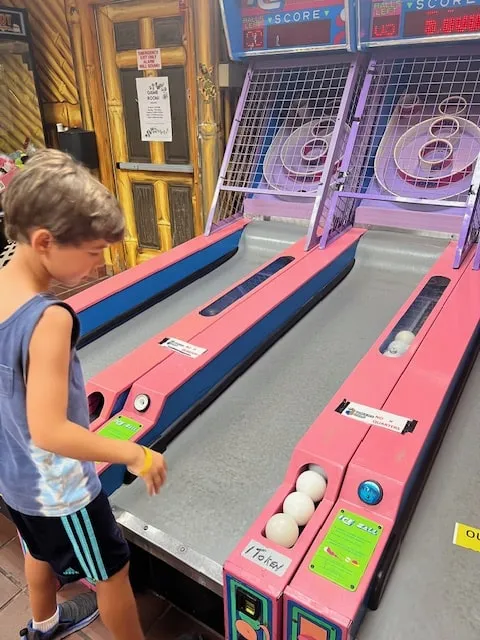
x: 476, y: 238
x: 335, y: 226
x: 209, y: 227
x: 468, y: 235
x: 322, y: 193
x: 476, y: 262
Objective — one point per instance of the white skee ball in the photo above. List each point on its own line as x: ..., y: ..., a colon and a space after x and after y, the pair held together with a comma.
x: 313, y: 484
x: 405, y: 336
x: 396, y: 349
x: 282, y: 529
x: 300, y: 507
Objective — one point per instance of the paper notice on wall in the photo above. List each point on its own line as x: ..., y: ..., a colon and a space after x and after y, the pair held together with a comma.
x: 149, y: 59
x: 154, y: 109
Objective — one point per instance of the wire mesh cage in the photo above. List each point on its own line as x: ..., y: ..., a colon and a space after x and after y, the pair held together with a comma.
x: 419, y: 134
x: 293, y: 125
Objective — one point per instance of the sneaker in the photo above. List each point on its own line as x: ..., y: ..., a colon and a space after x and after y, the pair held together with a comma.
x: 74, y: 615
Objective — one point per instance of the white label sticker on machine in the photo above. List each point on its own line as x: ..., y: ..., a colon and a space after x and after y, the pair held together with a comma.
x: 266, y: 558
x: 376, y: 417
x: 185, y: 348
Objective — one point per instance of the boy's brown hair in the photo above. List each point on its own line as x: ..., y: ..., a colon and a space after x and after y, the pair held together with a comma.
x: 56, y: 193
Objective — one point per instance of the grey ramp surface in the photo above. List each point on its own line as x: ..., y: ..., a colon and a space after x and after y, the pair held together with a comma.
x: 260, y: 241
x: 433, y: 592
x: 225, y: 466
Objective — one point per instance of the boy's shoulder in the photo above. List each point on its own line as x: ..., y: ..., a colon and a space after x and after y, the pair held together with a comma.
x: 57, y: 325
x: 55, y: 318
x: 14, y: 295
x: 45, y: 310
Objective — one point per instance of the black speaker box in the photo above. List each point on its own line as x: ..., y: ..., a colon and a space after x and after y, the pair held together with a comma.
x: 81, y: 145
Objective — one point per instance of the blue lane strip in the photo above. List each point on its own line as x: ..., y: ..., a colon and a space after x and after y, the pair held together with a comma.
x: 245, y: 287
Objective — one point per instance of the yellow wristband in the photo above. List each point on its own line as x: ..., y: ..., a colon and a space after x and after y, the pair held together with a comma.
x: 147, y: 465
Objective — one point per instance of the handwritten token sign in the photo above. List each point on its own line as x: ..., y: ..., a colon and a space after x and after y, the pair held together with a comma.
x: 266, y: 558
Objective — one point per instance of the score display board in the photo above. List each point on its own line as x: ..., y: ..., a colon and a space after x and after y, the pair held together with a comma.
x: 389, y: 22
x: 262, y: 27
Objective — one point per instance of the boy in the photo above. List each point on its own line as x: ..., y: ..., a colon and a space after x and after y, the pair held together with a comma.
x: 61, y: 219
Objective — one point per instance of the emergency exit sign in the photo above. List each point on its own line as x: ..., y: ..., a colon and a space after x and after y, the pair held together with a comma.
x: 149, y: 59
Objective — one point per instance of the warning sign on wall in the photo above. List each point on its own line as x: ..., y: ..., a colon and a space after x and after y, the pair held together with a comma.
x: 149, y: 59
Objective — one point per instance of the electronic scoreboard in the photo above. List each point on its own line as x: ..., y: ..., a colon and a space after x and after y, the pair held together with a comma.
x: 287, y: 26
x: 394, y: 22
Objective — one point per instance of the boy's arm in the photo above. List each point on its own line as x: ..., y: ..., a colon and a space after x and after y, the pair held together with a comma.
x: 47, y: 399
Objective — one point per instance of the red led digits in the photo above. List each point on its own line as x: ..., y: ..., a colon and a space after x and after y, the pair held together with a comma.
x: 453, y: 24
x: 387, y: 30
x: 385, y: 27
x: 455, y: 20
x: 430, y: 27
x: 463, y: 24
x: 253, y: 39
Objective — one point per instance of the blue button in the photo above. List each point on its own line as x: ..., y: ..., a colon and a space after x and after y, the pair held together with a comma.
x: 370, y: 492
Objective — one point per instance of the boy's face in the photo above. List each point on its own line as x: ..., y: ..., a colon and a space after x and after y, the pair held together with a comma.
x: 70, y: 264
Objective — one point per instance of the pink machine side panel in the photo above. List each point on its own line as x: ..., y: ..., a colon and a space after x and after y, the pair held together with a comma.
x: 391, y: 458
x: 118, y: 377
x: 172, y: 370
x: 121, y: 281
x: 330, y: 443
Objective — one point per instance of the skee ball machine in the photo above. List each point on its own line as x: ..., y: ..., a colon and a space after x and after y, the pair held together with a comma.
x: 295, y: 116
x: 414, y: 166
x: 295, y: 110
x: 410, y: 163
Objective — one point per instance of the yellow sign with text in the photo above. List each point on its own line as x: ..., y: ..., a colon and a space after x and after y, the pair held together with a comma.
x: 467, y: 537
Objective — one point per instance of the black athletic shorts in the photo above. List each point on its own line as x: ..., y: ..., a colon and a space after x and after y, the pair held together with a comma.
x: 87, y: 544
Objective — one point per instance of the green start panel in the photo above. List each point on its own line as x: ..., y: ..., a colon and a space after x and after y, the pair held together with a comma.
x: 346, y: 550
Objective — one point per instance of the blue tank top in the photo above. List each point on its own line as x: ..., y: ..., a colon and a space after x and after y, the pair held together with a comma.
x: 33, y: 481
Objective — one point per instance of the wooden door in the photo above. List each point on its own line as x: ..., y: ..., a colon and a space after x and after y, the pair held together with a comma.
x: 157, y: 182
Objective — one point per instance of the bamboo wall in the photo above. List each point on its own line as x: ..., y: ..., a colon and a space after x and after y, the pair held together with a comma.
x: 54, y: 59
x: 19, y: 110
x: 71, y: 89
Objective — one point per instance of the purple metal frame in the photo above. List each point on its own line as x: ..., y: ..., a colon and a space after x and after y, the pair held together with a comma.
x: 475, y: 234
x: 470, y: 232
x: 468, y: 235
x: 353, y: 81
x: 476, y: 262
x: 322, y: 193
x: 211, y: 225
x: 341, y: 218
x: 339, y: 221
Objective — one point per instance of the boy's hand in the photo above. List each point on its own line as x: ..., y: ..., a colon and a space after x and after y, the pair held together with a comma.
x: 151, y: 467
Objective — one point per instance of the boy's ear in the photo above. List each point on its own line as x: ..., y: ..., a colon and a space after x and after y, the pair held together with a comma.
x: 41, y: 240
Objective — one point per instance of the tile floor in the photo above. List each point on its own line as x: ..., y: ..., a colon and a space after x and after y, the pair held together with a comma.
x: 160, y: 620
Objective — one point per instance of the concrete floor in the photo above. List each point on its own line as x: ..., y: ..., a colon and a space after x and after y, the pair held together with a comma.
x: 160, y: 620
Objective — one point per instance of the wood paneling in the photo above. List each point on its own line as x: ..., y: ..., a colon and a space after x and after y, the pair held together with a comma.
x: 181, y: 213
x: 52, y: 50
x: 145, y: 216
x: 19, y: 110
